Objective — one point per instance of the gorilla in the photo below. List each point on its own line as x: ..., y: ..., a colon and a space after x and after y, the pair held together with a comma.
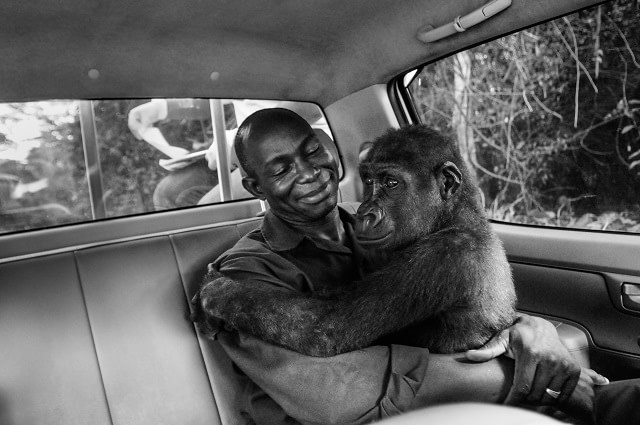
x: 440, y: 278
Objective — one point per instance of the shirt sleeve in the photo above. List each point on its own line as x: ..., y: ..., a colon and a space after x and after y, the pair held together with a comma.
x: 261, y: 267
x: 351, y: 388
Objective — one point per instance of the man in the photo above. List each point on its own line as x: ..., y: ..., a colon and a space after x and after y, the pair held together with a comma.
x: 306, y: 244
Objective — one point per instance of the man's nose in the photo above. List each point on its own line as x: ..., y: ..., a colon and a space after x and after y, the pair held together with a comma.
x: 306, y: 172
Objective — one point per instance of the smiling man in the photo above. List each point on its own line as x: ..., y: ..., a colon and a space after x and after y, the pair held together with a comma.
x: 307, y: 244
x: 287, y: 165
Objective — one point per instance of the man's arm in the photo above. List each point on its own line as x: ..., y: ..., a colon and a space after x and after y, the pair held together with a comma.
x: 141, y: 122
x: 364, y: 385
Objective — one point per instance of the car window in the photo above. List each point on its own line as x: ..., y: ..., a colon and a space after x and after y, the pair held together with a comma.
x: 548, y: 118
x: 67, y: 161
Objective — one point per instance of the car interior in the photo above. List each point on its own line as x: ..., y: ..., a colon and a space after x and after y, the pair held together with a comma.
x: 94, y: 313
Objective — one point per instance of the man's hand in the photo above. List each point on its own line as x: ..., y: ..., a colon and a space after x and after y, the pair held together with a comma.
x: 541, y: 363
x: 581, y: 403
x: 211, y: 156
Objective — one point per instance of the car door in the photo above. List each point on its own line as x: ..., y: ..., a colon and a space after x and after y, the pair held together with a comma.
x: 548, y: 118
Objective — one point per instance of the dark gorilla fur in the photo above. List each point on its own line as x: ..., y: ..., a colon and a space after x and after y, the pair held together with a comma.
x: 445, y: 283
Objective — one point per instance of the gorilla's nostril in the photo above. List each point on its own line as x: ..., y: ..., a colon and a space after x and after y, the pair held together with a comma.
x: 368, y: 221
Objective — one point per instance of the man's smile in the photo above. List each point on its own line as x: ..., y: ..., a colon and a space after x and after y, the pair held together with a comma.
x: 317, y: 195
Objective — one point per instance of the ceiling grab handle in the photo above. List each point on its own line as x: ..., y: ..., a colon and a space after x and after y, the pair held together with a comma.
x: 428, y: 34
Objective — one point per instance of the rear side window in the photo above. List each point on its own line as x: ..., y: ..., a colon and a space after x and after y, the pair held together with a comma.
x: 42, y: 167
x: 549, y: 119
x: 68, y: 161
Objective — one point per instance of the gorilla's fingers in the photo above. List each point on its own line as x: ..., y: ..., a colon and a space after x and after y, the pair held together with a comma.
x: 597, y: 378
x: 496, y: 346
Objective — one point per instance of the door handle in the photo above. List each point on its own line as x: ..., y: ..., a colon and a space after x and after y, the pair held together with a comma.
x: 631, y: 296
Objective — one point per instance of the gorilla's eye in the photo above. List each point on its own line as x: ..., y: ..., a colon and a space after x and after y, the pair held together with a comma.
x: 390, y: 182
x: 368, y: 181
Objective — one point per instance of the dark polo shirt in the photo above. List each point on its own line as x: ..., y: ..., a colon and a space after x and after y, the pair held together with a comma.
x: 281, y: 256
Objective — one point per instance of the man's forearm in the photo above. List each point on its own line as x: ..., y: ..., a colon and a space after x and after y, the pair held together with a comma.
x: 364, y: 385
x: 451, y: 377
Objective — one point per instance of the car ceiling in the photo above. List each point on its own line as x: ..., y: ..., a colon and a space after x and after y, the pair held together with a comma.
x: 320, y: 50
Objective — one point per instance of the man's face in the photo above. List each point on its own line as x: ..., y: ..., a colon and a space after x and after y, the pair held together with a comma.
x: 296, y: 174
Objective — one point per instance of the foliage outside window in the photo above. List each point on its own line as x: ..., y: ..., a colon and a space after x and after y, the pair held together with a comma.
x: 42, y: 170
x: 549, y: 119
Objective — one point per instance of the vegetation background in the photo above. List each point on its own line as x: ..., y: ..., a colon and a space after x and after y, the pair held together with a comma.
x: 549, y: 118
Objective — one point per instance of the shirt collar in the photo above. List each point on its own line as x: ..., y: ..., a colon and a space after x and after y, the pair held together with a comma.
x: 282, y: 237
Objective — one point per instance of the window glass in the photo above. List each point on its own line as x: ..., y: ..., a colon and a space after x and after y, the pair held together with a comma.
x: 71, y: 161
x: 42, y: 169
x: 549, y: 119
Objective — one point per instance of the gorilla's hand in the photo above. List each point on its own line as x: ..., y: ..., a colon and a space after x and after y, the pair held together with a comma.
x: 204, y: 313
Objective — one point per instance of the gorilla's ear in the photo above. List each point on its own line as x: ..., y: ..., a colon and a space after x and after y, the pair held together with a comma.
x: 364, y: 150
x: 449, y: 179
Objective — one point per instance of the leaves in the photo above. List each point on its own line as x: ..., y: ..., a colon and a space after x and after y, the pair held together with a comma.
x: 627, y: 129
x: 508, y: 116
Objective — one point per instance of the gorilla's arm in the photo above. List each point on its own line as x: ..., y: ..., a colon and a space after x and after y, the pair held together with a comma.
x: 387, y: 301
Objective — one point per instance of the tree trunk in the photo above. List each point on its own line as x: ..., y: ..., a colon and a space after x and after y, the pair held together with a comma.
x: 461, y: 115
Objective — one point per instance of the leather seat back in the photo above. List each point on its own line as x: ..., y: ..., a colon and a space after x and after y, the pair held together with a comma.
x: 102, y: 335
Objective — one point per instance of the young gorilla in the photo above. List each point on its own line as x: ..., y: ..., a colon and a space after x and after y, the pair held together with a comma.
x: 444, y: 282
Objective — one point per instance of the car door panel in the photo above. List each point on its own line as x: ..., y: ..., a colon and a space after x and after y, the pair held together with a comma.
x: 582, y: 286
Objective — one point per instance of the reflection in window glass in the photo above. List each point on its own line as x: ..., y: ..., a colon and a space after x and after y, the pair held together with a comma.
x: 173, y: 141
x: 178, y: 136
x: 141, y: 155
x: 42, y: 171
x: 549, y: 119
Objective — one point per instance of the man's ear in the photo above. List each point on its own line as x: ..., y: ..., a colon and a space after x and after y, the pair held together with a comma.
x: 252, y: 186
x: 449, y: 179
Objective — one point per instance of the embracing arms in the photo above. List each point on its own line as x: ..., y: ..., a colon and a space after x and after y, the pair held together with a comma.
x: 354, y: 317
x: 541, y: 361
x: 311, y: 325
x: 468, y: 289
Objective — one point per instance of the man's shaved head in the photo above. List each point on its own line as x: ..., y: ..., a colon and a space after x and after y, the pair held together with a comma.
x: 262, y: 124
